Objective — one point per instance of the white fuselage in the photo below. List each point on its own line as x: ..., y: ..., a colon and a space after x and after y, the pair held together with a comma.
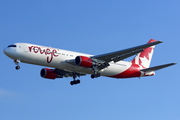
x: 58, y: 58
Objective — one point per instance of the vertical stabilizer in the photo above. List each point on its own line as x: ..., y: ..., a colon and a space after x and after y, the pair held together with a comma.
x: 144, y: 58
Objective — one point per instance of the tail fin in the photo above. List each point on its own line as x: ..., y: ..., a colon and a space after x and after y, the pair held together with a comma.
x: 144, y: 58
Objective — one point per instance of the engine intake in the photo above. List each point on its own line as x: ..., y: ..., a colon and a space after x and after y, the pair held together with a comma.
x: 83, y: 61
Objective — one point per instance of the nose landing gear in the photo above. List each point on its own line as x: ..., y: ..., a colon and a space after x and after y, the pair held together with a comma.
x: 17, y: 67
x: 17, y: 63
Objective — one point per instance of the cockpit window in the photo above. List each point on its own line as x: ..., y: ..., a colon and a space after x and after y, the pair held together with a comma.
x: 12, y: 46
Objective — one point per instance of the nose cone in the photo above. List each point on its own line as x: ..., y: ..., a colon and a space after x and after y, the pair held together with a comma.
x: 6, y: 51
x: 10, y: 52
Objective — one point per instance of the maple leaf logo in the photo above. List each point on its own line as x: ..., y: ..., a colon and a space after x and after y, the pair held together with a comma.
x: 146, y: 52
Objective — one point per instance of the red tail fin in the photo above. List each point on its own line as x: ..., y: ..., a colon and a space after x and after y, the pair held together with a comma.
x: 144, y: 58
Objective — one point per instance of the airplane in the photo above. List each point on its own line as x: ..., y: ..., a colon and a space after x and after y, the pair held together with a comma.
x: 63, y: 63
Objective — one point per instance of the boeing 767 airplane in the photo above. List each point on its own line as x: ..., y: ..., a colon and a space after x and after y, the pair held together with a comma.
x: 63, y: 63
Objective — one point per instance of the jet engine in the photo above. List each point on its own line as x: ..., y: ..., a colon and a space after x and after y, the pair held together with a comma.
x: 83, y: 61
x: 49, y: 73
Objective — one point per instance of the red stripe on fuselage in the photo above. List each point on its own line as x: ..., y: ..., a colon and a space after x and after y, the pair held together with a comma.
x: 133, y: 71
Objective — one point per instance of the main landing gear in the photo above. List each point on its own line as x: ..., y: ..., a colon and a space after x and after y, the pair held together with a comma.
x: 96, y: 73
x: 74, y: 82
x: 17, y: 63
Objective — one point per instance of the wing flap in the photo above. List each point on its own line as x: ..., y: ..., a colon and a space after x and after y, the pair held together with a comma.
x: 123, y: 56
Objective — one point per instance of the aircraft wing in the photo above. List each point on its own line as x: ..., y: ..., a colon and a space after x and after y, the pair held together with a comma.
x: 123, y: 54
x: 65, y: 73
x: 102, y: 61
x: 157, y: 67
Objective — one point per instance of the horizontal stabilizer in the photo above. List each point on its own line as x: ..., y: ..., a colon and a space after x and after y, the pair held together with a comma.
x: 157, y: 67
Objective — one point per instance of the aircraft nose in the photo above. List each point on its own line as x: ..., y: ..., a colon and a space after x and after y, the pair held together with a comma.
x: 10, y: 52
x: 6, y: 51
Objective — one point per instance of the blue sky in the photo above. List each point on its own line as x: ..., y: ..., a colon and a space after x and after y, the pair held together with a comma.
x: 94, y: 27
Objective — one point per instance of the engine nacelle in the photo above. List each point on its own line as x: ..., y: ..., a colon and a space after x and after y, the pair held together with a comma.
x: 83, y: 61
x: 49, y: 73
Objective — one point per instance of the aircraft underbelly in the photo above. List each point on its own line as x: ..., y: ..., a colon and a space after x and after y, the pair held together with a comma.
x: 113, y: 69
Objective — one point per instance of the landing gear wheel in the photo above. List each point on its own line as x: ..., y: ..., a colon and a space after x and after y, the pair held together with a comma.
x: 17, y: 67
x: 78, y: 81
x: 16, y: 61
x: 92, y: 76
x: 98, y: 74
x: 74, y: 82
x: 95, y: 75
